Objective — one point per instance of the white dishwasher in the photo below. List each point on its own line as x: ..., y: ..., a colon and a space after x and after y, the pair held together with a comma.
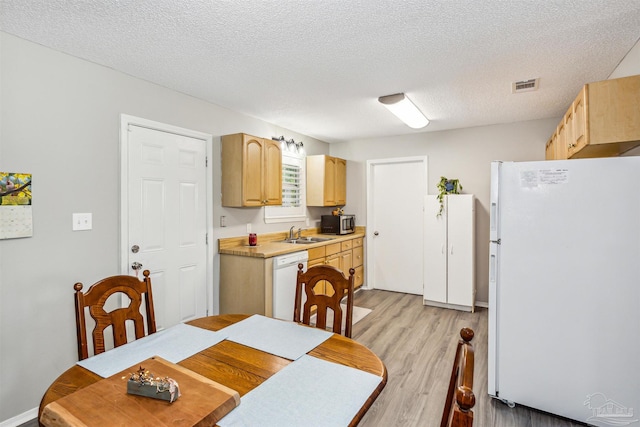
x: 285, y: 276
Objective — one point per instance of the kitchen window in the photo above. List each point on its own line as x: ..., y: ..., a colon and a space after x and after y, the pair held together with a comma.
x: 294, y: 206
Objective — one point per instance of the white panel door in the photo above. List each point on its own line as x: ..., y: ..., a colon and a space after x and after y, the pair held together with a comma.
x: 395, y: 224
x: 167, y: 220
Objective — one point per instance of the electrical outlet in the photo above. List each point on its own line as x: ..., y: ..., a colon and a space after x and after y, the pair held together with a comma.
x: 223, y: 222
x: 82, y: 221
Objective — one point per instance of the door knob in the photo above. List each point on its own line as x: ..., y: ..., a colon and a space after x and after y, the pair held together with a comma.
x: 135, y: 249
x: 136, y: 266
x: 375, y: 233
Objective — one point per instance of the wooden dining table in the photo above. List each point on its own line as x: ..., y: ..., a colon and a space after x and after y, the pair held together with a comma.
x: 239, y: 367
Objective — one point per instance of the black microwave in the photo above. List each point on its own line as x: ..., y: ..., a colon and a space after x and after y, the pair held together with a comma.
x: 337, y: 224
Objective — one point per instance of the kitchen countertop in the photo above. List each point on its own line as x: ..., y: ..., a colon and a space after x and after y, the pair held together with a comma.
x: 270, y: 245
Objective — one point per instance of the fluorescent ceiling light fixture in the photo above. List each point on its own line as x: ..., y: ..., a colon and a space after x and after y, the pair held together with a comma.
x: 405, y: 110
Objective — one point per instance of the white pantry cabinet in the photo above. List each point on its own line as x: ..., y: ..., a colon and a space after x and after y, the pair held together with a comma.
x: 450, y: 252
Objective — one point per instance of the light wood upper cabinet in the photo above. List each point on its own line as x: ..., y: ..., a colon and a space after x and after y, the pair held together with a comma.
x: 552, y: 147
x: 326, y: 181
x: 341, y: 181
x: 603, y: 120
x: 272, y: 172
x: 251, y: 171
x: 580, y: 131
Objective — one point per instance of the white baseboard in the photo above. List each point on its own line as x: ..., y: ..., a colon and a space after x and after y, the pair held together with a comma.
x: 482, y: 304
x: 31, y: 414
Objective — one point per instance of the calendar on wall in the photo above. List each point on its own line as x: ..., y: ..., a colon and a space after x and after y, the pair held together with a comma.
x: 16, y: 219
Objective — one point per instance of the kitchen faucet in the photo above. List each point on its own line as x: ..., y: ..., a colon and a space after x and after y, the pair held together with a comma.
x: 291, y: 232
x: 299, y: 233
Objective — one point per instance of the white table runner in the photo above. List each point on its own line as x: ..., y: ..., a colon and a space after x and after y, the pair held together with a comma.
x: 308, y: 391
x: 278, y: 337
x: 173, y: 344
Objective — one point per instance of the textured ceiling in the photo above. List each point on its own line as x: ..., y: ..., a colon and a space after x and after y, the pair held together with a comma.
x: 318, y: 66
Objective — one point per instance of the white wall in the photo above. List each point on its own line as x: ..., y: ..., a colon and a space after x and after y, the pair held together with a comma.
x: 60, y: 122
x: 465, y: 154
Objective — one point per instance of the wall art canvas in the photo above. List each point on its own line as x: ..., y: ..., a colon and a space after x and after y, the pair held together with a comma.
x: 15, y: 205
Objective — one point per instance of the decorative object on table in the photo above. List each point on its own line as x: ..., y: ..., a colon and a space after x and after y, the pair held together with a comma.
x: 144, y: 383
x: 337, y: 211
x: 447, y: 186
x: 253, y: 239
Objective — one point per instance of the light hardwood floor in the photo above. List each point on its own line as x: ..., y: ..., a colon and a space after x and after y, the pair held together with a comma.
x: 417, y: 344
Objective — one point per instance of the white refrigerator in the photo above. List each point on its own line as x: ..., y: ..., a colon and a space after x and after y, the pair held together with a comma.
x: 564, y: 287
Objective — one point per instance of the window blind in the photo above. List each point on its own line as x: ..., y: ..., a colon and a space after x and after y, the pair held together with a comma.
x: 291, y: 185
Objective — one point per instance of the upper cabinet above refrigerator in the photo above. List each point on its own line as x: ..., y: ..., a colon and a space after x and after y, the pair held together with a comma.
x: 602, y: 121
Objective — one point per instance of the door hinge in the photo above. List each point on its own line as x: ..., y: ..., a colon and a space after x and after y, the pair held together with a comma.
x: 206, y: 238
x: 499, y: 241
x: 206, y: 162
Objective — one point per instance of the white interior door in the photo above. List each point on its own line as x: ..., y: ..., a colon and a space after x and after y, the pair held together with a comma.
x: 395, y: 224
x: 165, y: 218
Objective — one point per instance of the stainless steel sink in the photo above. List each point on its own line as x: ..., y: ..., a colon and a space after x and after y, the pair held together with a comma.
x: 308, y: 240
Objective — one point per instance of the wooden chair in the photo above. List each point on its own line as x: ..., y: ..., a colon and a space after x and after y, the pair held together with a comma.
x: 95, y: 299
x: 337, y: 287
x: 460, y: 398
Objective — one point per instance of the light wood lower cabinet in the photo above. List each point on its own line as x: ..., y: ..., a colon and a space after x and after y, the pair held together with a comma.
x: 246, y: 285
x: 343, y: 256
x: 358, y: 261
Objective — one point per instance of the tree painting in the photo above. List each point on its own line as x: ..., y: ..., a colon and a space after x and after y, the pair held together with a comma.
x: 15, y: 188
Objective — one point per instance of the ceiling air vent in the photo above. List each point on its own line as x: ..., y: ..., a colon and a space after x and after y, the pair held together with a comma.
x: 524, y: 86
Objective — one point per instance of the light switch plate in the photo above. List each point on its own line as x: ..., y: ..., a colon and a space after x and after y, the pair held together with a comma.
x: 82, y: 221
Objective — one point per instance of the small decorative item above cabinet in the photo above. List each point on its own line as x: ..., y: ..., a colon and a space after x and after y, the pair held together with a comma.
x: 447, y: 186
x: 602, y: 121
x: 326, y: 181
x: 251, y: 171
